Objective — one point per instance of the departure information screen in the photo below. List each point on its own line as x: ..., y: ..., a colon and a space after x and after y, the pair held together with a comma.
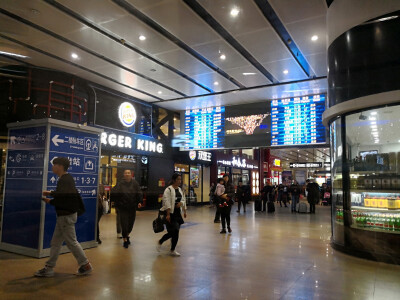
x: 298, y: 121
x: 205, y: 127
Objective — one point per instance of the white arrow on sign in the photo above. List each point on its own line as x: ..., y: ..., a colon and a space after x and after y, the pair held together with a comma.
x: 93, y: 192
x: 52, y: 179
x: 56, y: 140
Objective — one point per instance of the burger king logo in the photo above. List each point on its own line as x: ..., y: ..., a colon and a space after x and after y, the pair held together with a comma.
x: 192, y: 155
x: 127, y: 114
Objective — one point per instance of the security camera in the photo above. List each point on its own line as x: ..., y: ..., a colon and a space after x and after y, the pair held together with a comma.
x: 362, y: 117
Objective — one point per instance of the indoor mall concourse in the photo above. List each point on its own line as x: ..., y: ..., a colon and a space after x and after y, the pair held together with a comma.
x: 200, y: 149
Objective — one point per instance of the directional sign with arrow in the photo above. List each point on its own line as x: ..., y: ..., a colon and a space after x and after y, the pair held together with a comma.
x: 56, y: 140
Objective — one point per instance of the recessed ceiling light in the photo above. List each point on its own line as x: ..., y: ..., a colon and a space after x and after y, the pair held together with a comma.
x: 285, y: 72
x: 13, y: 54
x: 142, y: 37
x: 216, y: 83
x: 159, y: 92
x: 314, y: 38
x: 249, y: 73
x: 222, y: 56
x: 234, y: 12
x: 74, y: 56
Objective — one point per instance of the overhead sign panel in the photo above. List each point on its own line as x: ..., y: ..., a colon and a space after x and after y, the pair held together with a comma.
x: 309, y: 165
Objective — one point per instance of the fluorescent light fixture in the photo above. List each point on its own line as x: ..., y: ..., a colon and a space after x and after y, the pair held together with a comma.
x: 314, y: 38
x: 74, y: 56
x: 13, y: 54
x: 216, y: 83
x: 142, y: 37
x: 222, y: 56
x: 285, y: 72
x: 373, y: 113
x: 159, y: 92
x: 248, y: 74
x: 234, y: 12
x: 372, y: 118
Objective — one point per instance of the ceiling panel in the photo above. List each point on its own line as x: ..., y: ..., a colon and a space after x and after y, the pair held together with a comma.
x: 44, y: 15
x: 186, y: 87
x: 319, y: 63
x: 250, y: 96
x: 211, y: 78
x: 302, y: 32
x: 181, y: 21
x: 277, y: 68
x: 292, y: 11
x: 248, y: 20
x: 248, y: 80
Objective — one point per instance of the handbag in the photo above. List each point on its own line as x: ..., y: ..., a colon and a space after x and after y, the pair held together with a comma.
x: 158, y: 224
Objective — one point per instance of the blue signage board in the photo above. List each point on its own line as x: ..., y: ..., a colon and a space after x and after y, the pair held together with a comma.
x: 298, y: 121
x: 82, y: 150
x: 23, y: 186
x: 205, y: 127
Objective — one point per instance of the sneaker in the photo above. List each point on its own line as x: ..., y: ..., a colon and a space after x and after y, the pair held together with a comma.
x: 45, y: 272
x: 229, y: 230
x: 126, y: 244
x: 174, y: 253
x: 84, y: 270
x: 158, y: 246
x: 223, y: 231
x: 119, y: 235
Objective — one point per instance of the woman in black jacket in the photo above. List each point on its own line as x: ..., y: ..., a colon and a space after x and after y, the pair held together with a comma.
x: 227, y: 201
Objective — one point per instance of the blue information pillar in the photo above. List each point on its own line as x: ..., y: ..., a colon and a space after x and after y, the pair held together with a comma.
x: 27, y: 222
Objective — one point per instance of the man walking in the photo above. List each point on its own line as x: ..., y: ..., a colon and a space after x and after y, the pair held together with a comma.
x: 241, y: 196
x: 67, y: 202
x: 127, y: 197
x: 295, y: 192
x: 312, y: 195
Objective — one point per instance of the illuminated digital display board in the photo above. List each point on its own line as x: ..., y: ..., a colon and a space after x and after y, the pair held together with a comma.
x: 205, y: 127
x: 298, y: 121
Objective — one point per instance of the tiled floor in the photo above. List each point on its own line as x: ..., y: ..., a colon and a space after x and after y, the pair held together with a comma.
x: 281, y: 256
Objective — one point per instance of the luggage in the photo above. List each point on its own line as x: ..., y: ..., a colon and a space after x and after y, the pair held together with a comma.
x: 257, y: 205
x: 270, y: 207
x: 158, y: 224
x: 303, y: 207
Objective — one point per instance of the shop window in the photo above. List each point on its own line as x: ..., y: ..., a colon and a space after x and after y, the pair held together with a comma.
x: 248, y: 153
x: 373, y: 159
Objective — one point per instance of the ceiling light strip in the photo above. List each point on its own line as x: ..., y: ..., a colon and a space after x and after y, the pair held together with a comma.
x: 284, y: 35
x: 213, y: 23
x: 157, y: 27
x: 77, y: 66
x: 110, y: 35
x: 65, y: 40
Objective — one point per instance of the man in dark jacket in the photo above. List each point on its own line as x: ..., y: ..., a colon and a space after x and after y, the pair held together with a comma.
x: 241, y: 196
x: 67, y: 203
x: 127, y: 197
x: 312, y: 195
x: 295, y: 191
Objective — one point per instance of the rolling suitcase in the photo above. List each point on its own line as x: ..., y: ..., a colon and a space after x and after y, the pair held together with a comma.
x: 270, y: 206
x: 303, y: 208
x: 257, y: 205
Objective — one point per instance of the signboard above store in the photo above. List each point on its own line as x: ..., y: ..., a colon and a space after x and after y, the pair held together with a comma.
x: 200, y: 155
x: 306, y: 165
x: 237, y: 162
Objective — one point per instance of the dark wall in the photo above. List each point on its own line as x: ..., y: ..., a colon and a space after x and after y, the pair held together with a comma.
x: 364, y: 61
x: 158, y: 168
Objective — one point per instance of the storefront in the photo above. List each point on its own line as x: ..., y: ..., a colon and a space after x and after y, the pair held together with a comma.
x: 239, y: 168
x: 195, y: 169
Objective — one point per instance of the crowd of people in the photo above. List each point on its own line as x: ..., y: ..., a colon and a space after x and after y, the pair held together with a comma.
x: 127, y: 198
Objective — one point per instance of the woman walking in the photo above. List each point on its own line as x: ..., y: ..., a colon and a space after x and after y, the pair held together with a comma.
x: 173, y: 203
x: 226, y: 201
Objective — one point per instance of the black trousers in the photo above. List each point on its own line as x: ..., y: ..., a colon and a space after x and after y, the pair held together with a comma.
x: 240, y: 202
x: 226, y: 217
x: 172, y: 233
x: 312, y: 208
x: 127, y: 217
x: 217, y: 213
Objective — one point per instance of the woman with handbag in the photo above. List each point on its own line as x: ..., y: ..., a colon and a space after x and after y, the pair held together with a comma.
x: 173, y: 203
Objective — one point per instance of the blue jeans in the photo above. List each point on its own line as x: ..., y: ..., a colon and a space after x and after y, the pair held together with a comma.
x: 295, y: 200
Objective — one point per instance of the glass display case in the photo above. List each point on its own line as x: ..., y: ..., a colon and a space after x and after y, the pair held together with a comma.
x: 365, y: 157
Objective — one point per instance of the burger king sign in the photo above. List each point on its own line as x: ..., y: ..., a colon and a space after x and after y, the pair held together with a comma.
x: 127, y: 114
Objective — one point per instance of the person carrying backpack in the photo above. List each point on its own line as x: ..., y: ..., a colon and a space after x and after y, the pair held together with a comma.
x: 67, y: 203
